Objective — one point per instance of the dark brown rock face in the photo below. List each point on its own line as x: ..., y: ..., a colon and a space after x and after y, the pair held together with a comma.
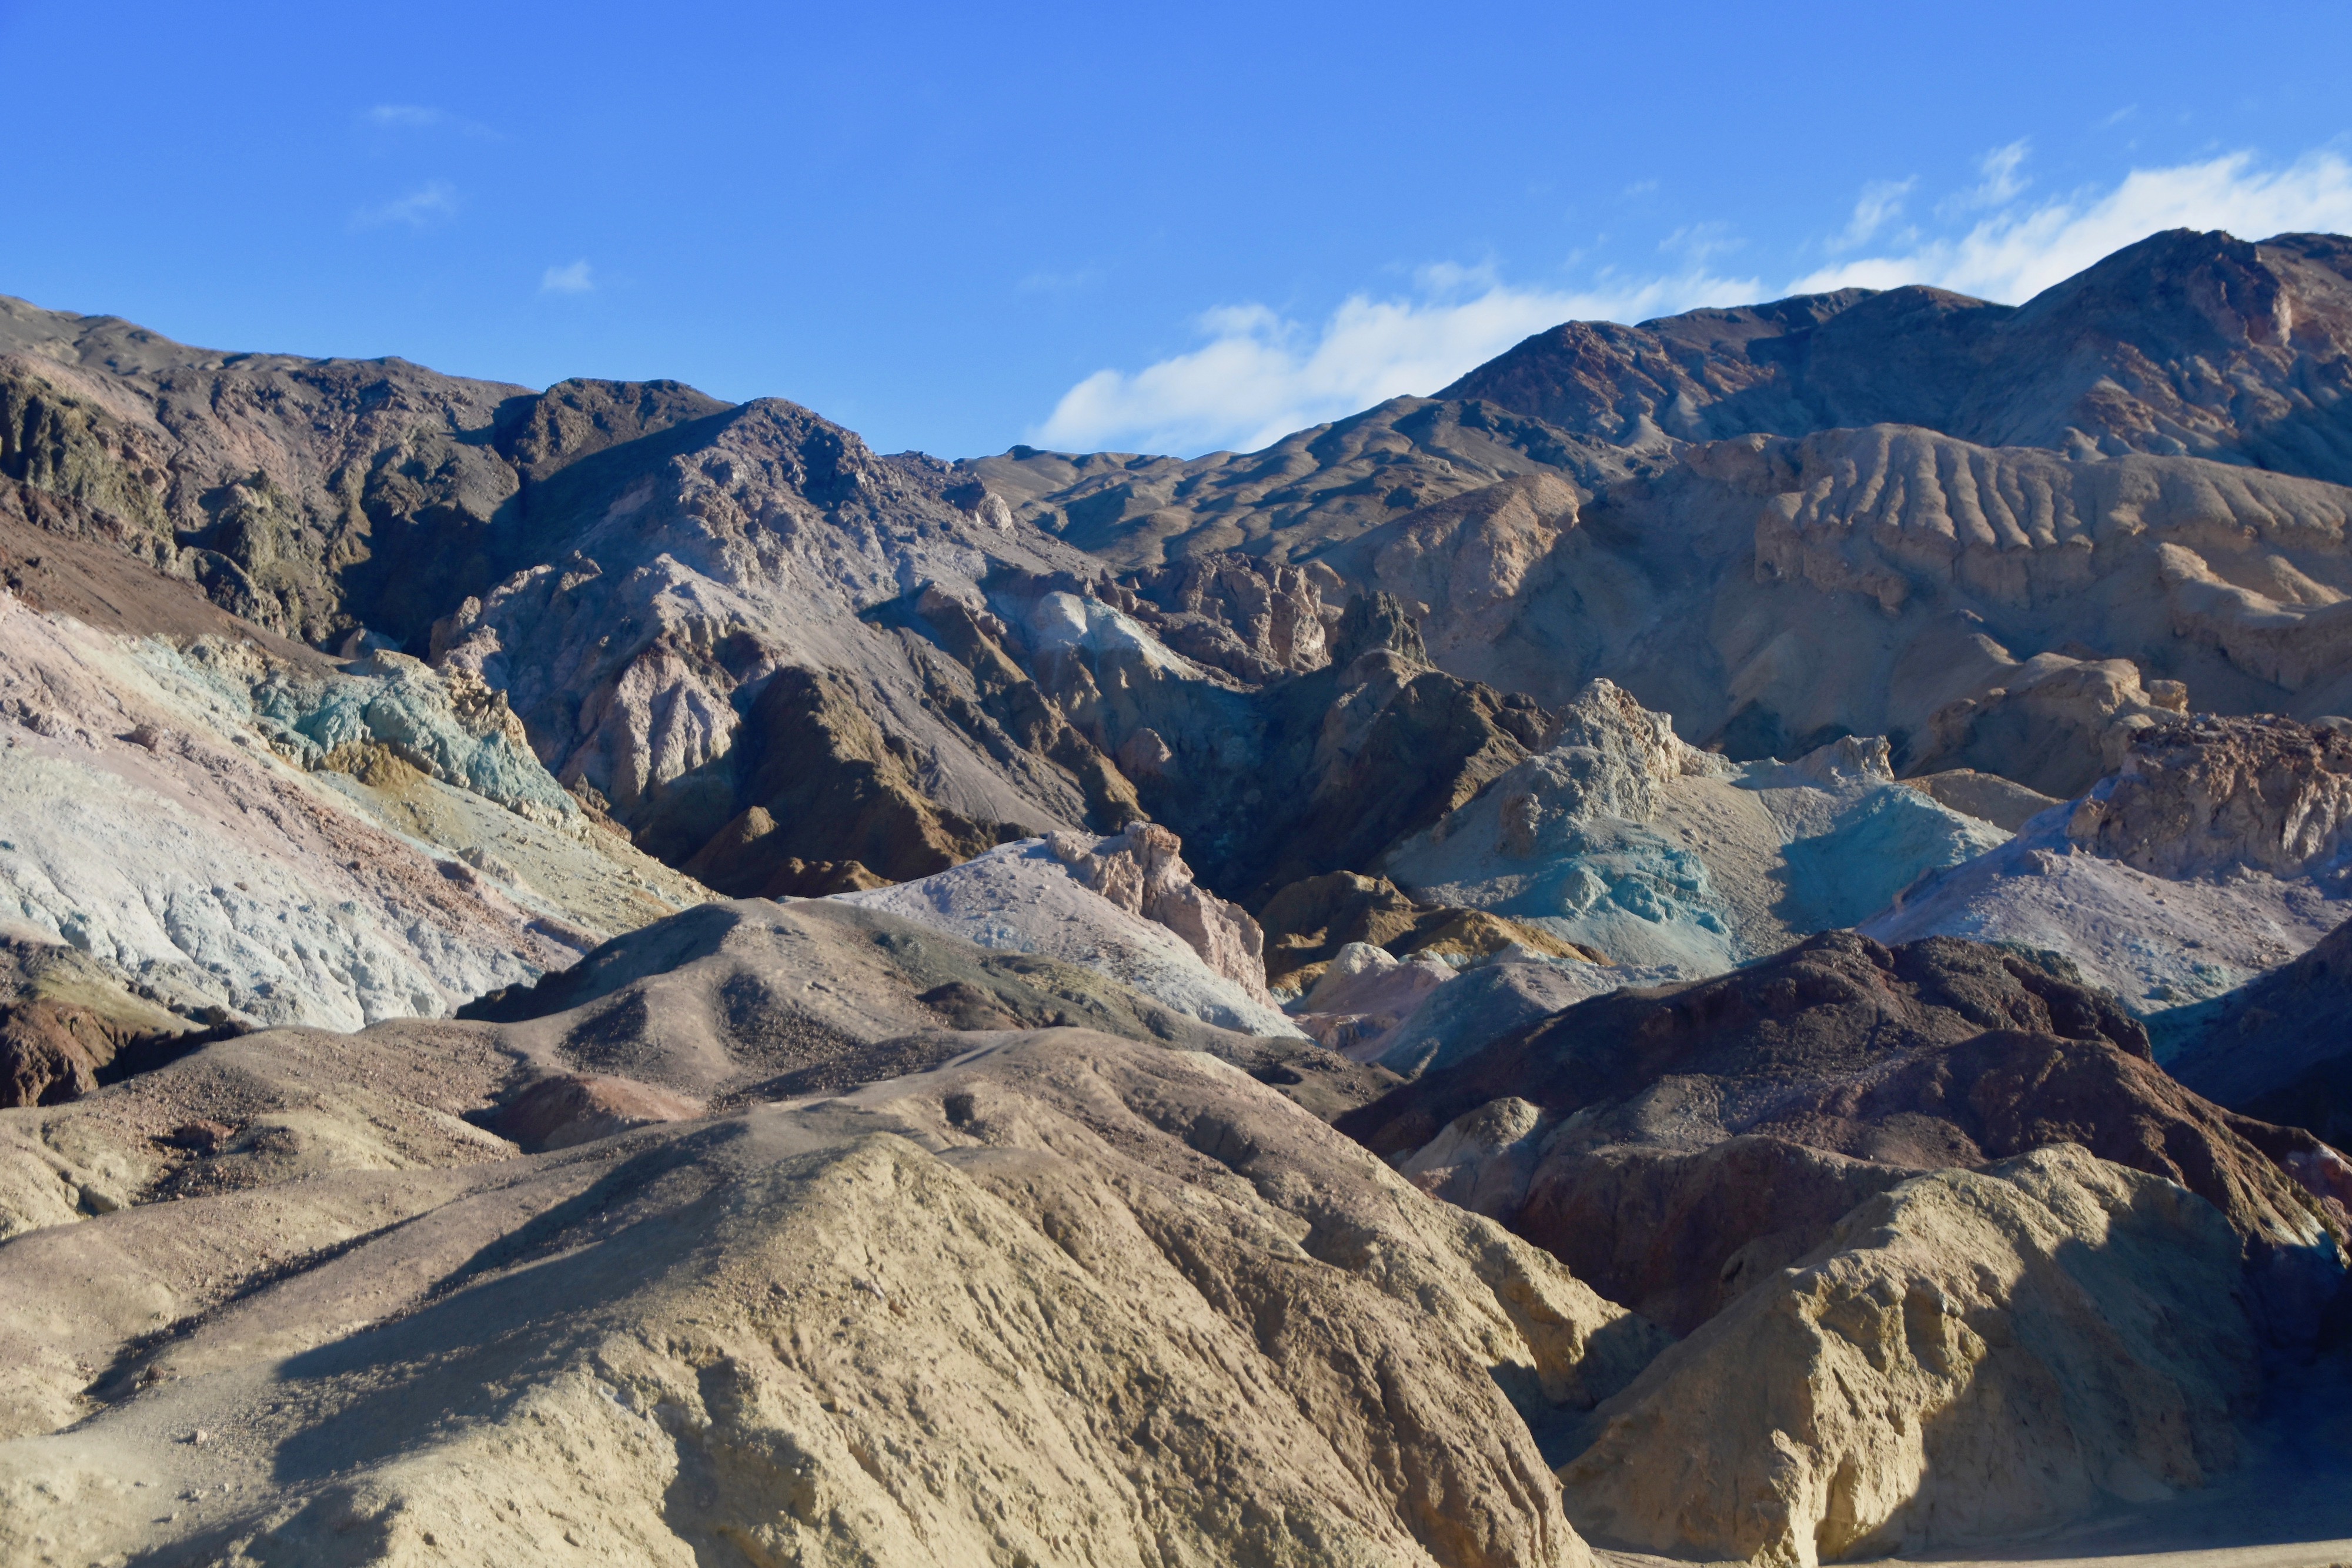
x: 1681, y: 1143
x: 1830, y: 1006
x: 824, y: 783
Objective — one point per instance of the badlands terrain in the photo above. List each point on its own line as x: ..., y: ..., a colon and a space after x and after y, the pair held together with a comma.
x: 1725, y: 941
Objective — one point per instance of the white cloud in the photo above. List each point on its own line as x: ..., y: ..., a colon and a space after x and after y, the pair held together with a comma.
x: 2000, y: 183
x: 1699, y: 242
x: 576, y: 278
x: 1880, y: 203
x: 1262, y: 375
x: 434, y: 202
x: 2019, y: 251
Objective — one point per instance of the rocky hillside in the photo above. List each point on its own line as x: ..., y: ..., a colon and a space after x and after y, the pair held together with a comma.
x: 2186, y: 344
x: 1907, y: 513
x: 1725, y: 941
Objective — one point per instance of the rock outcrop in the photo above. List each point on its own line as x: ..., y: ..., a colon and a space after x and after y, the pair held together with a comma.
x: 1250, y: 618
x: 1970, y: 1354
x: 1125, y: 905
x: 1309, y: 922
x: 2001, y: 801
x: 1624, y: 837
x: 230, y: 822
x: 2214, y: 851
x: 69, y: 1022
x: 559, y: 1112
x: 2218, y: 795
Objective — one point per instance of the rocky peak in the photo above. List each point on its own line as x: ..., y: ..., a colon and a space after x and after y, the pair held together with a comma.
x: 2214, y: 795
x: 1143, y: 871
x: 1249, y: 617
x: 1377, y: 622
x: 2187, y: 342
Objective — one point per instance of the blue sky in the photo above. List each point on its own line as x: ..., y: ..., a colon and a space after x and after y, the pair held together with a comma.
x: 1147, y: 228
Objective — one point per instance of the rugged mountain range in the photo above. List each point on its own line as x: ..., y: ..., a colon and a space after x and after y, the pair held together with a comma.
x: 1723, y: 940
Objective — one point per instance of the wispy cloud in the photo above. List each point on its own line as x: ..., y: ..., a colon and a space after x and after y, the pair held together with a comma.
x: 2023, y: 249
x: 1699, y: 242
x: 1261, y: 375
x: 1999, y: 183
x: 1881, y: 203
x: 1068, y: 282
x: 434, y: 202
x: 422, y: 117
x: 575, y: 279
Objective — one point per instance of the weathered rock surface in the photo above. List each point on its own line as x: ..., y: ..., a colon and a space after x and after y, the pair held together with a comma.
x: 2214, y: 851
x: 1749, y: 519
x: 1142, y: 871
x: 1995, y: 799
x: 2216, y: 795
x: 773, y: 1001
x: 1248, y: 617
x: 1971, y: 1354
x: 571, y: 1108
x: 230, y: 822
x: 66, y: 1021
x: 1625, y: 838
x: 1308, y: 924
x: 1774, y: 592
x: 630, y: 563
x: 1125, y: 906
x: 1310, y: 489
x: 2130, y: 356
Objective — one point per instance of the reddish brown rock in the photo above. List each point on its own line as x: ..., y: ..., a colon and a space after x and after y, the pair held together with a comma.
x: 1686, y: 1141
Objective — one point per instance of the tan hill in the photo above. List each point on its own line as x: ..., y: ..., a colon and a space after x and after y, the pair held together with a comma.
x: 1070, y: 1297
